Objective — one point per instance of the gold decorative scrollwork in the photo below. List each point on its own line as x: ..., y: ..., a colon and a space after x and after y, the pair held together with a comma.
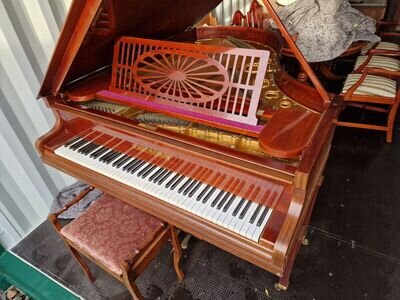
x: 271, y: 95
x: 254, y: 69
x: 285, y: 104
x: 266, y: 83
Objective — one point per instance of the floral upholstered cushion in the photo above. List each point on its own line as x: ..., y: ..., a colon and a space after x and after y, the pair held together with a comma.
x: 110, y: 231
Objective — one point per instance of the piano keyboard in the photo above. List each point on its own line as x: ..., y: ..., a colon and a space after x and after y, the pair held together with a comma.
x: 161, y: 178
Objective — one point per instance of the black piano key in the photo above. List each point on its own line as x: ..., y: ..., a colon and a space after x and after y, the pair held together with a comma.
x: 237, y: 208
x: 81, y: 146
x: 78, y: 144
x: 190, y: 186
x: 149, y: 171
x: 254, y: 216
x: 114, y: 154
x: 161, y: 175
x: 229, y: 203
x: 113, y: 157
x: 121, y: 161
x: 209, y: 195
x: 203, y: 192
x: 106, y: 155
x: 165, y: 177
x: 130, y: 164
x: 85, y: 147
x: 221, y: 203
x: 262, y: 217
x: 135, y: 166
x: 71, y: 141
x: 99, y: 152
x: 110, y: 153
x: 192, y: 192
x: 245, y: 209
x: 156, y: 174
x: 142, y: 171
x: 91, y: 149
x: 184, y: 186
x: 169, y: 183
x: 215, y: 201
x: 139, y: 167
x: 175, y: 184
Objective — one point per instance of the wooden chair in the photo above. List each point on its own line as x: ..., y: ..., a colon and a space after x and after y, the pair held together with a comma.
x: 118, y: 237
x: 378, y: 65
x: 368, y: 90
x: 384, y: 30
x: 255, y: 17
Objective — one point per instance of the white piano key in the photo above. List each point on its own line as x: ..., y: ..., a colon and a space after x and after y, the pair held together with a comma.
x: 259, y: 229
x: 226, y: 217
x: 246, y: 219
x: 190, y: 204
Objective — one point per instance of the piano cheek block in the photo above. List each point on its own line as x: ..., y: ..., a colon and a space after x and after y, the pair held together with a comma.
x: 288, y: 133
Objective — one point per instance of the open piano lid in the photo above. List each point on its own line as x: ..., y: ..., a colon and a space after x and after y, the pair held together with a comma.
x: 90, y: 30
x: 87, y: 39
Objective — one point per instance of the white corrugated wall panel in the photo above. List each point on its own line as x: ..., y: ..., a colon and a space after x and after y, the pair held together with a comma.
x: 28, y: 32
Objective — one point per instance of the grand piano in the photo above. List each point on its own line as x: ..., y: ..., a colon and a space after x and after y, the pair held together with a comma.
x: 199, y: 126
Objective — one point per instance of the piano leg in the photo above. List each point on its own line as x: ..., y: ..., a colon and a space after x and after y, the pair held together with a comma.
x: 283, y: 282
x: 177, y: 252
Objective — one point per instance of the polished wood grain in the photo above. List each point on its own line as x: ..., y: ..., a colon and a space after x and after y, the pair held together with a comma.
x: 288, y: 132
x: 86, y: 90
x: 79, y: 52
x: 242, y: 173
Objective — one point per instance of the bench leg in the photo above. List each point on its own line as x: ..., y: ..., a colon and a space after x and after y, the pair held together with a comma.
x: 85, y: 268
x: 177, y: 252
x: 134, y: 290
x: 82, y: 264
x: 129, y: 281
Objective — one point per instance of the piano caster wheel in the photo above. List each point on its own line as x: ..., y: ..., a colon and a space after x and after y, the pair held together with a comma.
x: 305, y: 241
x: 280, y: 287
x: 185, y: 241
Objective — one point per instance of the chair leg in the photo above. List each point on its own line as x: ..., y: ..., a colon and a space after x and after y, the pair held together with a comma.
x: 177, y: 252
x: 82, y: 264
x: 391, y: 117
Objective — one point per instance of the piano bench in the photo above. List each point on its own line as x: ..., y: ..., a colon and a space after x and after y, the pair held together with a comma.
x: 118, y: 237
